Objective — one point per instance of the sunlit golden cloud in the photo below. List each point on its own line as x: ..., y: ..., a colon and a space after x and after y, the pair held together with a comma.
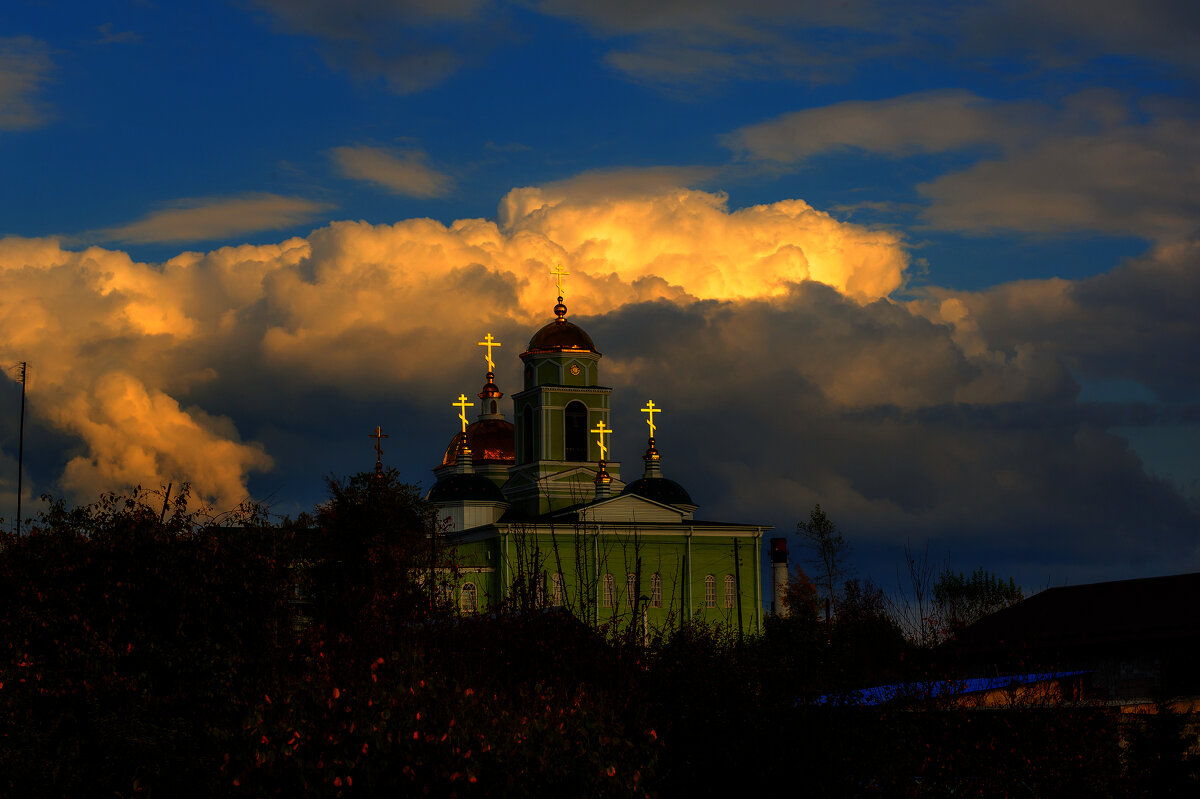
x: 208, y: 218
x: 771, y: 327
x: 116, y: 344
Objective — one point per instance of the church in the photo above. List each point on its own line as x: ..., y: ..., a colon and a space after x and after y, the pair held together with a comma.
x: 533, y: 513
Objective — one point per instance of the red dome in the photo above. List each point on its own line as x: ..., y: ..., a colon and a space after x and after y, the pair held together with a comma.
x: 490, y: 440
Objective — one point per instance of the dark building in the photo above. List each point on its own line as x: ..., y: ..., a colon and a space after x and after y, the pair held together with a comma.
x: 1135, y: 640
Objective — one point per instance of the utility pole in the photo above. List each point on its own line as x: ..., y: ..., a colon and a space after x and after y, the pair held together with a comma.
x: 21, y: 447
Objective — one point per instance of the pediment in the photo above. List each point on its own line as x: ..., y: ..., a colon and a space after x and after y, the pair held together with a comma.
x: 629, y: 508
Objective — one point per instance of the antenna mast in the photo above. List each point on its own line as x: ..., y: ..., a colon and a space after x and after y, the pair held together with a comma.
x: 21, y: 446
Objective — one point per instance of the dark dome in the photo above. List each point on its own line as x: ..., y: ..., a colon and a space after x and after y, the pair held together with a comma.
x: 469, y: 487
x: 490, y: 440
x: 659, y: 489
x: 561, y: 335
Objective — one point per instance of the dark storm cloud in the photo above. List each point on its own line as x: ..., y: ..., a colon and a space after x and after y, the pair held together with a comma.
x: 772, y: 407
x: 1137, y: 322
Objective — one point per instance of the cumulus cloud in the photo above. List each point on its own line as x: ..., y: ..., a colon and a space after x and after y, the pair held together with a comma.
x: 1136, y: 323
x: 25, y: 66
x: 106, y: 340
x: 772, y: 329
x: 208, y: 218
x: 896, y: 429
x: 405, y: 172
x: 125, y: 348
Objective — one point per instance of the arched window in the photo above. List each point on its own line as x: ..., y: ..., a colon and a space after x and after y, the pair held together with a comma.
x: 470, y: 598
x: 576, y: 431
x: 710, y: 591
x: 655, y: 590
x: 527, y: 436
x: 608, y: 597
x: 631, y: 588
x: 729, y: 590
x: 558, y: 591
x: 493, y: 406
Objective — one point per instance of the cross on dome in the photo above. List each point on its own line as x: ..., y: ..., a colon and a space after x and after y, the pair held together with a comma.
x: 462, y: 414
x: 602, y: 431
x: 489, y: 342
x: 559, y: 273
x: 378, y: 435
x: 650, y: 410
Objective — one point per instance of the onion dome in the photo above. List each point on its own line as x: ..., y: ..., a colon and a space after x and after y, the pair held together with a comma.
x: 468, y: 487
x: 656, y: 487
x: 659, y: 489
x: 560, y: 335
x: 490, y: 440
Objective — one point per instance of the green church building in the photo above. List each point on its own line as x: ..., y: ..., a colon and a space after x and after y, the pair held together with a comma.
x: 533, y: 513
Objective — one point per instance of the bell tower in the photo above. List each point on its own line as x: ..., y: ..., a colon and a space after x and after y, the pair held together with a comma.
x: 562, y: 402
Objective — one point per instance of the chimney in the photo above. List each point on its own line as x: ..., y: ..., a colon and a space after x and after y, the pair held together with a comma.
x: 779, y: 575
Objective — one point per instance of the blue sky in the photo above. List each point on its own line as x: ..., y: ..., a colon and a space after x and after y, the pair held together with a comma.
x: 935, y: 269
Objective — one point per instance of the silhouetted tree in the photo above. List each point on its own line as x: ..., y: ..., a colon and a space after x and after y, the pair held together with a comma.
x: 829, y: 551
x: 373, y: 553
x: 962, y: 600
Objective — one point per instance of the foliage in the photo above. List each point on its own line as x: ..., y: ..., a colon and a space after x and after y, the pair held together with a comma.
x: 829, y: 553
x: 132, y: 640
x: 147, y: 651
x: 962, y: 600
x: 866, y: 644
x: 373, y: 558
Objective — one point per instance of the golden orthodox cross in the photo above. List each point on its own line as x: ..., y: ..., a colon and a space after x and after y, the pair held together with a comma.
x: 489, y: 342
x: 650, y: 410
x: 379, y: 436
x: 462, y: 414
x: 559, y: 273
x: 602, y: 431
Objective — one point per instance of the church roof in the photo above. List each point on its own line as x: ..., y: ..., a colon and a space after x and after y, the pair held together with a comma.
x: 659, y: 489
x: 492, y: 441
x: 560, y: 335
x: 465, y: 487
